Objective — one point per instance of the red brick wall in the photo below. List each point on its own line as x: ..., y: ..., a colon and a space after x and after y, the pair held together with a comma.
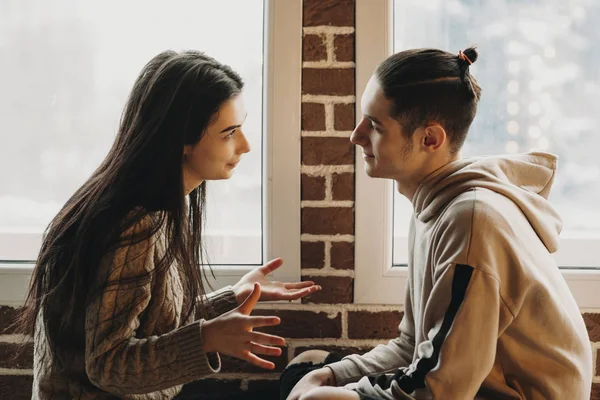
x: 327, y: 320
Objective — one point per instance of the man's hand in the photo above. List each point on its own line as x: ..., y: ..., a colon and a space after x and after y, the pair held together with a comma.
x: 317, y: 378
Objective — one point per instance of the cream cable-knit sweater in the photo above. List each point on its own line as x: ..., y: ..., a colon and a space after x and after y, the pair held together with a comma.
x: 136, y: 343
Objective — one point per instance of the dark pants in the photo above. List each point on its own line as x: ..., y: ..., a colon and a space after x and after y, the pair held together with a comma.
x: 293, y: 373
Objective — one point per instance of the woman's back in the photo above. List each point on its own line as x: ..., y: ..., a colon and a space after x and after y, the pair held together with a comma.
x: 133, y: 338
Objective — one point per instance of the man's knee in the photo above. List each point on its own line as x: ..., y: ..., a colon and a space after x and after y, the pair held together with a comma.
x: 313, y: 356
x: 316, y: 394
x: 329, y: 393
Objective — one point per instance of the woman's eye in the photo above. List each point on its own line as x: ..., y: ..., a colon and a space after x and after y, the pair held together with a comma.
x: 230, y: 134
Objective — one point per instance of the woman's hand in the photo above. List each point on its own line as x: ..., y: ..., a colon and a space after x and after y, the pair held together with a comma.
x: 272, y: 290
x: 232, y: 333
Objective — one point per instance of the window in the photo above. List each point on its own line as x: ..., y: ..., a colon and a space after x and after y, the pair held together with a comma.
x: 538, y: 69
x: 66, y: 82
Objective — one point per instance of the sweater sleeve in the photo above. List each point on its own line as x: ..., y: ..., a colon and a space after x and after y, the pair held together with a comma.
x: 117, y: 360
x: 397, y: 353
x: 219, y: 302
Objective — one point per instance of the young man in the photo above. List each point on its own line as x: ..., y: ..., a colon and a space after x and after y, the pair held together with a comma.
x: 487, y: 313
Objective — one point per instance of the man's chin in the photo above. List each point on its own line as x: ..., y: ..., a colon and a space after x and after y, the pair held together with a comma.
x: 376, y: 173
x: 371, y: 172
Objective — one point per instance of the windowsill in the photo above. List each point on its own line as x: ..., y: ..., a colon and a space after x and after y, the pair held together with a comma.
x: 583, y: 283
x: 15, y: 278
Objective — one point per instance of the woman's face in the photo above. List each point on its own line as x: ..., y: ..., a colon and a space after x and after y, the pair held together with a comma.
x: 216, y: 155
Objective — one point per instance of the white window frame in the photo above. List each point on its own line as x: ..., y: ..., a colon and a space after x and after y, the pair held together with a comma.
x: 376, y: 280
x: 282, y: 74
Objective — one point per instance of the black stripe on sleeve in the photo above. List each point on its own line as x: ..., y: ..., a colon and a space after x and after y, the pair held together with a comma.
x: 416, y: 380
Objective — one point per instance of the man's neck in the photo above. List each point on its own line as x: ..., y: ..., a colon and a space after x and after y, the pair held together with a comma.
x: 408, y: 189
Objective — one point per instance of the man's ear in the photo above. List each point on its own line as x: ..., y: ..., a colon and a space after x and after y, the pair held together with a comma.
x: 434, y: 137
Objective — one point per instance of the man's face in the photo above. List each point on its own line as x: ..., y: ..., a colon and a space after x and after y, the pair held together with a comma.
x: 387, y: 150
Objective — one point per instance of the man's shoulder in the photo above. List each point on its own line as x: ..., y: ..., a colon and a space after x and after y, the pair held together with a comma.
x: 477, y: 218
x: 480, y: 206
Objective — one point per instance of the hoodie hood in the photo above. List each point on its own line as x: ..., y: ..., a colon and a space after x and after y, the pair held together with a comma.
x: 526, y: 179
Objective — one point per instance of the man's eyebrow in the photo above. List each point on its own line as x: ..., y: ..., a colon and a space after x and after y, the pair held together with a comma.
x: 372, y: 118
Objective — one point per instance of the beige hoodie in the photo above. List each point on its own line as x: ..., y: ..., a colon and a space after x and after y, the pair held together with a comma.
x: 487, y: 314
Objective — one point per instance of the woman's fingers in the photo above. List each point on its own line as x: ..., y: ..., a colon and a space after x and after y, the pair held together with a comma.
x: 265, y: 338
x: 259, y: 362
x: 298, y: 294
x: 257, y: 322
x: 271, y: 266
x: 265, y: 350
x: 248, y: 305
x: 298, y: 285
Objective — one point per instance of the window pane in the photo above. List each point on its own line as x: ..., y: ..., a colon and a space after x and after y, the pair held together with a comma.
x: 66, y: 70
x: 539, y: 70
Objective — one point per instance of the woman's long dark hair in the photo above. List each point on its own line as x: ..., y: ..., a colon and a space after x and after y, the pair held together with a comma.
x: 173, y: 101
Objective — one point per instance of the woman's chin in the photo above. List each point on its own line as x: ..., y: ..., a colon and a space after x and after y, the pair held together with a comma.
x: 227, y: 173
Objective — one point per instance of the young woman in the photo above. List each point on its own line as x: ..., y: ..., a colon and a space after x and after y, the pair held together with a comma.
x: 117, y: 304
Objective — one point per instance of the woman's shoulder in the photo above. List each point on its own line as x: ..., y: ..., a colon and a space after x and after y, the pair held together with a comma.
x: 141, y: 223
x: 135, y: 251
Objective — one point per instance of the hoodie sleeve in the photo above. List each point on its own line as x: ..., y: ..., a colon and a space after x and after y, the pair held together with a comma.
x: 465, y: 311
x: 395, y: 354
x: 462, y: 321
